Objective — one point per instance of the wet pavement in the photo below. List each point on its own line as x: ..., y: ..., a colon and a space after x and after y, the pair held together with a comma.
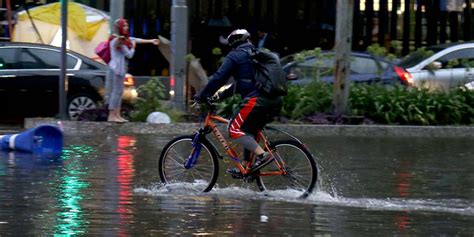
x: 109, y: 185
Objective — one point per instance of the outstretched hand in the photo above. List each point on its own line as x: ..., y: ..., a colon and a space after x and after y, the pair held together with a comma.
x: 155, y: 41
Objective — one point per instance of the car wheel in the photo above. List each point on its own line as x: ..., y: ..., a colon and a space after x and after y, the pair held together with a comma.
x: 79, y: 103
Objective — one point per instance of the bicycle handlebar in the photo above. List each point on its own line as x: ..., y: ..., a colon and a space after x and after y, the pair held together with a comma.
x: 210, y: 103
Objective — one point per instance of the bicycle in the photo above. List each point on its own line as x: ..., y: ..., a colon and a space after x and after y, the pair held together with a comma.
x: 193, y: 160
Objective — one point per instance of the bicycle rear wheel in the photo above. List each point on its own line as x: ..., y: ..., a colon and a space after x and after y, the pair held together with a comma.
x: 302, y: 172
x: 201, y: 177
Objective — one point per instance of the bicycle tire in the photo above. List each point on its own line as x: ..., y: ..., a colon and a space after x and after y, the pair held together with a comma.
x: 202, y: 176
x: 302, y: 171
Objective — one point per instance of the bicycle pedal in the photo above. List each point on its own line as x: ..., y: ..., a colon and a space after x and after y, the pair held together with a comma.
x: 249, y: 179
x: 237, y: 176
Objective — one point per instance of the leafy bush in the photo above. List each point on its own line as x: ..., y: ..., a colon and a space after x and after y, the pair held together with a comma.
x: 227, y: 107
x: 382, y: 104
x: 148, y: 101
x: 303, y: 101
x: 386, y: 105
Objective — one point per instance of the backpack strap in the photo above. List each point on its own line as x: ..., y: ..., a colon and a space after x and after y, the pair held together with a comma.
x: 252, y: 53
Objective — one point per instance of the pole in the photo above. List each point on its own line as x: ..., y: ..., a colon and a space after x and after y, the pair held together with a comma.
x: 179, y: 42
x: 62, y: 76
x: 342, y: 55
x: 467, y: 21
x: 9, y: 18
x: 33, y: 24
x: 116, y: 11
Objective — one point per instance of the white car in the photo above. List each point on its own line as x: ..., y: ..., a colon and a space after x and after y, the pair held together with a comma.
x: 470, y: 86
x: 441, y: 67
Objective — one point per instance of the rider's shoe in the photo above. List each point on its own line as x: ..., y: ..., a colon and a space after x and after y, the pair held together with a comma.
x: 235, y: 172
x: 261, y: 161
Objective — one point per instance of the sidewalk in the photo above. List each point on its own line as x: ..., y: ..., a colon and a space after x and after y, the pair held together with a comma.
x: 88, y: 128
x: 10, y: 128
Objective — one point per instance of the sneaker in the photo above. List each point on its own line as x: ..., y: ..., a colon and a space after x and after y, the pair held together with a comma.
x: 233, y: 171
x: 261, y: 161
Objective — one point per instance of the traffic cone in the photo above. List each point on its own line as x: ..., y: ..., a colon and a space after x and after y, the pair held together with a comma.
x: 43, y: 139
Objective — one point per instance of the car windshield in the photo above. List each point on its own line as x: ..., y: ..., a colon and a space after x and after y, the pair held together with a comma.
x: 418, y: 56
x: 287, y: 59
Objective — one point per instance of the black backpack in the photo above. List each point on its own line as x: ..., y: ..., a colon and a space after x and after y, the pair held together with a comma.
x: 269, y: 75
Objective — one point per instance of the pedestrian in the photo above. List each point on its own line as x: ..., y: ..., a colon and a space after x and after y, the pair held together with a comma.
x: 122, y: 48
x: 266, y: 40
x: 257, y: 108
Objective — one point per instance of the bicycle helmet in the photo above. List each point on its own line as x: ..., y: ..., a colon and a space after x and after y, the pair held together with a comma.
x: 238, y: 37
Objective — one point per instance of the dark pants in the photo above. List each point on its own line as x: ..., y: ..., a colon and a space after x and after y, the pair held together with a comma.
x: 253, y: 115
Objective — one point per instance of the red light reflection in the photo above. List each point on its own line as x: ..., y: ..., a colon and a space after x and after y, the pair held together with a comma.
x: 126, y: 173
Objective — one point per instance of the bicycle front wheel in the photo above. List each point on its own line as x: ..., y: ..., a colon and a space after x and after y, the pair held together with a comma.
x: 301, y: 171
x: 202, y: 176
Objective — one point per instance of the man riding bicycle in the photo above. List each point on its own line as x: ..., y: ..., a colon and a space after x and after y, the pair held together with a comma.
x: 257, y: 108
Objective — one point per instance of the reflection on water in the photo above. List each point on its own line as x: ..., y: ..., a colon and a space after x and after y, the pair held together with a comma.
x: 109, y: 185
x: 69, y: 193
x: 125, y: 182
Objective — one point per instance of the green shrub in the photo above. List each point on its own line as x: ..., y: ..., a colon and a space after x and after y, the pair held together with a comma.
x: 382, y: 104
x: 304, y: 101
x: 149, y: 100
x: 227, y: 107
x: 385, y: 105
x: 400, y: 105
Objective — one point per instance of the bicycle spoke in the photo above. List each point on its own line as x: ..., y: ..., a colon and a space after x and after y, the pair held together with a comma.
x: 299, y: 166
x: 201, y: 176
x: 201, y: 169
x: 295, y: 181
x: 175, y: 172
x: 177, y: 155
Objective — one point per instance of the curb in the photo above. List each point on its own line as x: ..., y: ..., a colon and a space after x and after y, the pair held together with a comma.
x: 308, y: 130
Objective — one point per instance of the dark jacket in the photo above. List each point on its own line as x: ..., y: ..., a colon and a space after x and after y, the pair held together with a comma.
x: 236, y: 64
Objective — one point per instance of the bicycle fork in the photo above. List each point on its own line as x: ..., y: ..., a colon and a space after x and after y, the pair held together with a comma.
x: 196, y: 151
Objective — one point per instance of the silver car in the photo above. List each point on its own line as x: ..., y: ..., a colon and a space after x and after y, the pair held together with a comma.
x: 441, y: 67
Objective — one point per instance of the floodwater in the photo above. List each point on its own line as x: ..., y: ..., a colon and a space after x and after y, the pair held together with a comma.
x: 109, y: 185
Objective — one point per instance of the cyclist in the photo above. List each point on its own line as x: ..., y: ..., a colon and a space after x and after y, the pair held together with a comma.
x: 257, y: 108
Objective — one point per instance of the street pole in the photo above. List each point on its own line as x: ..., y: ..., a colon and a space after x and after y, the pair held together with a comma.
x: 344, y: 14
x: 9, y: 19
x: 62, y: 76
x: 116, y: 12
x: 179, y: 49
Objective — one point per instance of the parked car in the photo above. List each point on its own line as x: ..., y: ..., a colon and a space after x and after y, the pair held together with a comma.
x: 29, y: 81
x: 365, y: 68
x: 441, y: 67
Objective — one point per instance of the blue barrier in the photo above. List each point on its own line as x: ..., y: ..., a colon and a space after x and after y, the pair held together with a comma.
x: 43, y: 139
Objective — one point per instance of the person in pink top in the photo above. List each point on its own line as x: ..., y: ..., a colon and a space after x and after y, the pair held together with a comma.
x: 122, y: 48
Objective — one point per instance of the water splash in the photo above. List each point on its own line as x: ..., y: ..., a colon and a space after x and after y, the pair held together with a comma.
x: 455, y: 206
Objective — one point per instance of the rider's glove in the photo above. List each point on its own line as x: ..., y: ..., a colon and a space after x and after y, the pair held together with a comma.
x: 198, y: 98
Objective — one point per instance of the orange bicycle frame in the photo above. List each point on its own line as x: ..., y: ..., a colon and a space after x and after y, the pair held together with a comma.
x: 209, y: 123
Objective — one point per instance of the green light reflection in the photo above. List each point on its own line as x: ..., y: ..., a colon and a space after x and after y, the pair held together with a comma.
x: 2, y: 169
x: 70, y: 218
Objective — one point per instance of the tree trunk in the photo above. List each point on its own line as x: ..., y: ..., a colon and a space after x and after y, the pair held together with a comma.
x: 343, y: 48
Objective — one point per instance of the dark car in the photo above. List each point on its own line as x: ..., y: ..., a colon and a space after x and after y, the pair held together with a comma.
x: 29, y: 81
x: 365, y: 68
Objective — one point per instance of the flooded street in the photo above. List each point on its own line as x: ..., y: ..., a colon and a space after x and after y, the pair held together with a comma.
x: 109, y: 185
